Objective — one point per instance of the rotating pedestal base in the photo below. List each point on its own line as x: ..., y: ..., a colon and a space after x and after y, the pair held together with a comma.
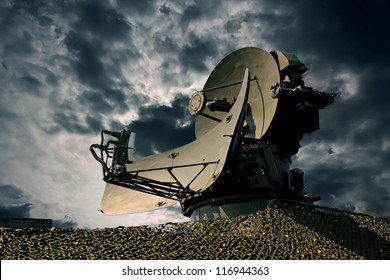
x: 229, y: 208
x: 235, y: 205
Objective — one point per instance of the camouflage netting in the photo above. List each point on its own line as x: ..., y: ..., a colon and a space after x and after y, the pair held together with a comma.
x: 283, y: 232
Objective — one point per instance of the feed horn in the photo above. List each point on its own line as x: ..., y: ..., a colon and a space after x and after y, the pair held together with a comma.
x: 249, y: 119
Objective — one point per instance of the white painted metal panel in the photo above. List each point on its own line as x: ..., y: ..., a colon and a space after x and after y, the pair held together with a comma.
x: 210, y: 151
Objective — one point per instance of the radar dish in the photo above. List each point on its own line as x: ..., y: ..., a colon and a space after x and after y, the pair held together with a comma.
x: 118, y: 200
x: 250, y: 117
x: 262, y: 107
x: 161, y: 180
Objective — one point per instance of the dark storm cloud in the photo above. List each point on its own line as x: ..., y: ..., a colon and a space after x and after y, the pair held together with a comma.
x: 21, y: 43
x: 137, y: 8
x: 94, y: 27
x: 200, y: 10
x: 102, y: 21
x: 12, y: 202
x: 10, y: 192
x: 23, y: 29
x: 16, y: 211
x: 104, y: 101
x: 13, y: 205
x: 196, y: 51
x: 64, y: 223
x: 348, y: 188
x: 94, y: 31
x: 97, y: 27
x: 164, y: 9
x: 6, y: 116
x: 166, y: 44
x: 30, y: 83
x: 94, y: 124
x: 88, y: 66
x: 361, y: 120
x: 353, y: 34
x: 38, y: 9
x: 160, y: 128
x: 233, y: 26
x: 191, y: 13
x: 96, y: 101
x: 74, y: 123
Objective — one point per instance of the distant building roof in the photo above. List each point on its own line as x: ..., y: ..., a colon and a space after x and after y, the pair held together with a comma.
x: 19, y: 223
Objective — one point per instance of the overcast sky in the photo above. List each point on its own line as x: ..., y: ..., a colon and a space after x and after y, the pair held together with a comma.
x: 69, y: 69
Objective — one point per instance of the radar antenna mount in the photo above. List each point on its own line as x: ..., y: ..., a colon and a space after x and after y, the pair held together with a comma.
x: 249, y: 119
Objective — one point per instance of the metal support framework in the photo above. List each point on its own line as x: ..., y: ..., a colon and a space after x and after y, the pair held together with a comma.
x: 113, y: 150
x: 172, y: 190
